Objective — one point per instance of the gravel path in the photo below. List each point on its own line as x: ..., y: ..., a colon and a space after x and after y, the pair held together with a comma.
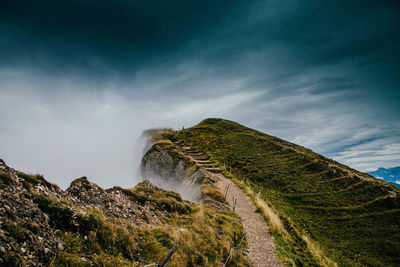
x: 262, y: 250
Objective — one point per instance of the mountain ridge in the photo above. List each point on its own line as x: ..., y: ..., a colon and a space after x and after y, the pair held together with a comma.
x: 390, y: 175
x: 320, y: 212
x: 338, y: 214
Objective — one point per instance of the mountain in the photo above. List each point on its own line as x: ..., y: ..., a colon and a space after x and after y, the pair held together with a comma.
x: 318, y: 209
x: 319, y: 212
x: 391, y: 175
x: 86, y: 225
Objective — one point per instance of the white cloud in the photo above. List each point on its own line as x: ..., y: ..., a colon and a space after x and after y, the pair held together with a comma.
x: 68, y: 127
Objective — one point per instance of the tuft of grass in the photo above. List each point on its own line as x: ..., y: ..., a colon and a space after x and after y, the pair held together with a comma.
x: 60, y: 215
x: 15, y: 230
x: 274, y: 220
x: 34, y: 227
x: 5, y: 179
x: 207, y: 191
x: 165, y: 200
x: 12, y: 259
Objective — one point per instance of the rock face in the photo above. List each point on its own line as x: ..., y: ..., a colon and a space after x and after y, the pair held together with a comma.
x: 32, y: 212
x: 24, y: 236
x: 167, y: 166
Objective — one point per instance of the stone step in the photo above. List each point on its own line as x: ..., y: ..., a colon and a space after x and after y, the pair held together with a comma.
x: 214, y: 170
x: 204, y: 162
x: 200, y: 157
x: 195, y: 154
x: 206, y: 165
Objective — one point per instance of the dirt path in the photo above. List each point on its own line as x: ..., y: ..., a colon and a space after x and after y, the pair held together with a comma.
x: 262, y: 250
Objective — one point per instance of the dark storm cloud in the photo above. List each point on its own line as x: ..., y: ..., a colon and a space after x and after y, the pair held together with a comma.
x: 268, y: 40
x: 119, y: 34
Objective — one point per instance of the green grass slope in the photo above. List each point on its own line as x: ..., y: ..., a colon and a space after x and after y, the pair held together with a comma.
x: 348, y: 217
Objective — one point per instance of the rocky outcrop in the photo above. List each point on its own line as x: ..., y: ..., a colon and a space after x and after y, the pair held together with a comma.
x: 33, y: 211
x: 86, y: 225
x: 167, y: 166
x: 24, y: 235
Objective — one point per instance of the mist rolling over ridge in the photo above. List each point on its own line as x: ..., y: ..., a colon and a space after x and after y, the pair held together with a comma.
x: 75, y: 95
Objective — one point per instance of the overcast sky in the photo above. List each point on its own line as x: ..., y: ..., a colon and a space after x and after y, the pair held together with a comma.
x: 80, y: 80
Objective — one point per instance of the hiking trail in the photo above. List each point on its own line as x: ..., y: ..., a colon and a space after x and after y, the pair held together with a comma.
x: 262, y: 251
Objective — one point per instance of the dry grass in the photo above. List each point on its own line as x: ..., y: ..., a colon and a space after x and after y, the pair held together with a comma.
x: 317, y: 251
x: 275, y: 222
x: 202, y: 234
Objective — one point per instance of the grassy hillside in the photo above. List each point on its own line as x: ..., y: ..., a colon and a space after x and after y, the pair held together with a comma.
x: 342, y: 216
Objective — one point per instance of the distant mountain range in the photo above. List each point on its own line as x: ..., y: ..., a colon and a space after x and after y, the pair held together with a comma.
x: 391, y: 175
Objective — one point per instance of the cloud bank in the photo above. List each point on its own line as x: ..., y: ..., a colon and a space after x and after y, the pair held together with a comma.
x: 79, y: 81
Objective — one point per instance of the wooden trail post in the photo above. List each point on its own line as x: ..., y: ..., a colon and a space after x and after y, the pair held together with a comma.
x: 234, y: 203
x: 226, y: 190
x: 166, y: 258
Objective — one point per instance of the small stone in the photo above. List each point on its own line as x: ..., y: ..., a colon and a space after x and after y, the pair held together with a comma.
x: 60, y: 246
x: 2, y: 249
x: 46, y: 217
x: 23, y: 250
x: 46, y: 250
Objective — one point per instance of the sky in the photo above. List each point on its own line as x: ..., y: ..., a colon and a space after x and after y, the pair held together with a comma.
x: 80, y: 80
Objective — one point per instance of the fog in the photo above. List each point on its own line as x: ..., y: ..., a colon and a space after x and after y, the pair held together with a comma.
x: 188, y: 190
x: 75, y: 94
x: 87, y: 129
x: 66, y: 127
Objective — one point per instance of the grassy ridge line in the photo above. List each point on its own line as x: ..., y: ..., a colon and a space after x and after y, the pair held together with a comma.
x: 300, y: 184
